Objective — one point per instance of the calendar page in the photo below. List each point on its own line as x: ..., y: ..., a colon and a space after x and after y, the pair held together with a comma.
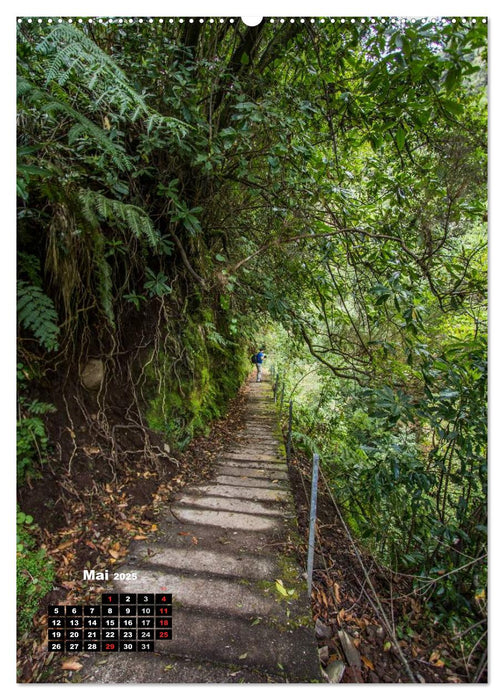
x: 251, y: 347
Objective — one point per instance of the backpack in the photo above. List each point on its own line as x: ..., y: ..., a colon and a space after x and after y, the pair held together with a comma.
x: 253, y: 359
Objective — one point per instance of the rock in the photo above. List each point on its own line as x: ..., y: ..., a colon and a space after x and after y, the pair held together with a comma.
x: 323, y: 653
x: 166, y: 448
x: 351, y: 653
x: 322, y: 631
x: 335, y: 671
x: 92, y: 374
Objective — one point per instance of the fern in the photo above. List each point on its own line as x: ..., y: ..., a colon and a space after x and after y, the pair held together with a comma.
x: 30, y: 265
x: 36, y: 313
x: 70, y: 50
x: 83, y: 126
x: 125, y: 215
x: 305, y: 441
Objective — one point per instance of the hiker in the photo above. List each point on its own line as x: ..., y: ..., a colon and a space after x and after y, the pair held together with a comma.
x: 258, y: 363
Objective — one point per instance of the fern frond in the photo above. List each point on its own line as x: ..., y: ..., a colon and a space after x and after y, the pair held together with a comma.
x: 305, y: 441
x: 37, y: 314
x: 131, y: 217
x: 70, y: 51
x: 170, y: 125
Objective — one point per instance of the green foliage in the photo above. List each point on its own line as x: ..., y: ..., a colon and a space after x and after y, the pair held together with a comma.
x: 37, y: 314
x: 34, y: 571
x: 123, y: 215
x: 31, y: 435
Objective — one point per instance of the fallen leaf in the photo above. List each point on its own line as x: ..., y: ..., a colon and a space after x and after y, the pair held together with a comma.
x: 184, y: 534
x: 140, y: 537
x: 194, y: 540
x: 154, y: 528
x: 367, y: 663
x: 280, y: 587
x: 243, y: 656
x: 63, y: 545
x: 336, y: 590
x: 71, y: 665
x: 114, y: 553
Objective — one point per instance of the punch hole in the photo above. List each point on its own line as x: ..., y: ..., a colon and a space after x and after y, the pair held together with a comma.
x: 251, y: 21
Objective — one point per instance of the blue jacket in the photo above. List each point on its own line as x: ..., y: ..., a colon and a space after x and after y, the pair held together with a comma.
x: 259, y: 358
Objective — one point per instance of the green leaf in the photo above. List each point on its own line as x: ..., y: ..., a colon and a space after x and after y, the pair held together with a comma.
x: 400, y: 138
x: 452, y: 107
x: 452, y: 76
x: 280, y: 588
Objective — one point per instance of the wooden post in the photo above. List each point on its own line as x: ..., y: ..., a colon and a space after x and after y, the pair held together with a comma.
x: 313, y: 520
x: 289, y: 433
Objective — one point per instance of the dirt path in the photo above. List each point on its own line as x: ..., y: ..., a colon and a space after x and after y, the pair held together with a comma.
x: 224, y: 550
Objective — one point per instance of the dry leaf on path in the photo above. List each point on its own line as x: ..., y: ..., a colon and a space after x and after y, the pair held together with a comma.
x: 367, y: 663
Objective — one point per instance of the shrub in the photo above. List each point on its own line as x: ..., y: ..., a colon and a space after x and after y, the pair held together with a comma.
x: 34, y: 571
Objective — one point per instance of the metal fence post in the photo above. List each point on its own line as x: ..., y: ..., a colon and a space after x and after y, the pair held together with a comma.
x: 289, y: 433
x: 313, y: 518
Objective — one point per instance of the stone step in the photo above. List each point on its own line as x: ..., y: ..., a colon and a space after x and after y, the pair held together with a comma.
x: 211, y: 561
x: 251, y: 464
x: 252, y: 457
x: 248, y: 481
x: 253, y: 472
x: 191, y: 537
x: 245, y: 492
x: 225, y: 519
x: 236, y: 505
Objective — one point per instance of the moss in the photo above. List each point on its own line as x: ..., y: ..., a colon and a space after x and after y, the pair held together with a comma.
x: 184, y: 397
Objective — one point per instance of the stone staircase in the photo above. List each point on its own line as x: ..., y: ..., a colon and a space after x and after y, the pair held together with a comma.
x: 224, y: 550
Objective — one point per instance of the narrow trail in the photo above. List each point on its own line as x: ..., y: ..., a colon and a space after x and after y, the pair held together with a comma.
x: 224, y: 550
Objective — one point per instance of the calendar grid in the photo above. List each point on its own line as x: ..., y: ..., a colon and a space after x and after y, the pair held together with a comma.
x: 121, y: 622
